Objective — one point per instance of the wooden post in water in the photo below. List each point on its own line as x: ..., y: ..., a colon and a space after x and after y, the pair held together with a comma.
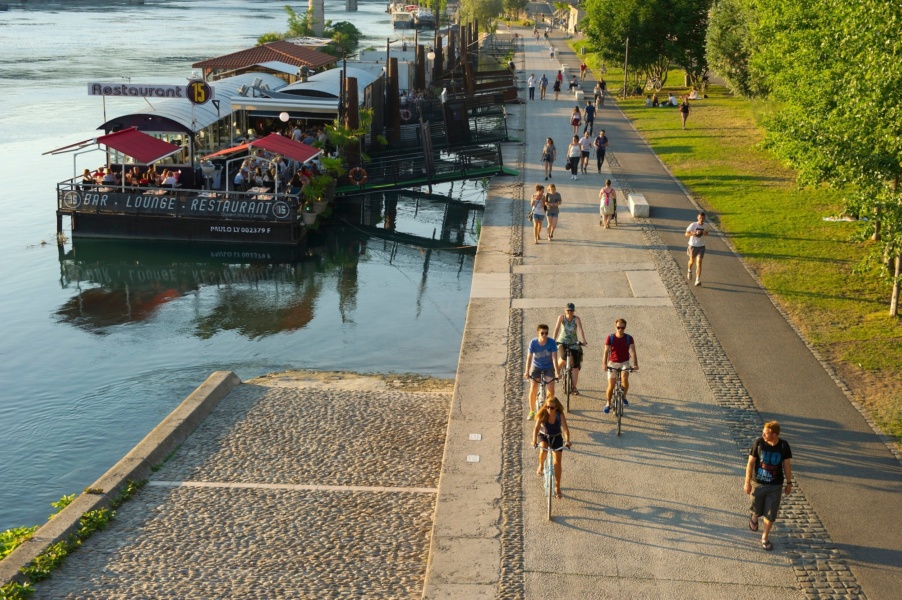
x: 393, y: 102
x: 437, y: 67
x: 352, y: 120
x: 421, y: 68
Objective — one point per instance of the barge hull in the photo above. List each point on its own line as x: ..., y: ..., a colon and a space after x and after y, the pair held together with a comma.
x: 147, y: 227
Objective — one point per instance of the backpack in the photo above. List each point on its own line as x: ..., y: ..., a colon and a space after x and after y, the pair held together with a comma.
x: 610, y: 340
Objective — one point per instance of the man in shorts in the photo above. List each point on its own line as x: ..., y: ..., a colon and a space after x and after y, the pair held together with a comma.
x: 696, y: 233
x: 619, y: 352
x: 540, y: 363
x: 770, y: 465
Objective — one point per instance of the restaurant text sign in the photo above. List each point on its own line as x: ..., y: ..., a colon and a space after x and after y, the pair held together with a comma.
x: 146, y: 90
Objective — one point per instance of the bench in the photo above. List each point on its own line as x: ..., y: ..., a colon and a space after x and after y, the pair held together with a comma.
x: 580, y: 95
x: 638, y: 205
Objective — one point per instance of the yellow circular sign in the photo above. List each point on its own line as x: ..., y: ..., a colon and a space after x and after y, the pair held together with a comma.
x: 199, y: 92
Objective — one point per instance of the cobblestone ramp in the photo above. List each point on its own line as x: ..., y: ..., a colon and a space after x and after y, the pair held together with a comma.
x: 281, y: 493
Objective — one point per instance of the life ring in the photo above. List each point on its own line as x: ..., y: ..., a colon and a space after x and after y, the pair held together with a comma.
x: 358, y: 175
x: 405, y: 114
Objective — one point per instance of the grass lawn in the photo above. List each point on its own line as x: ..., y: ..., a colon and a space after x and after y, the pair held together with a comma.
x: 805, y: 262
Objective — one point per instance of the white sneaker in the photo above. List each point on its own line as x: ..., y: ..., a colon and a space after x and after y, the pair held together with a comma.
x: 689, y: 274
x: 697, y: 282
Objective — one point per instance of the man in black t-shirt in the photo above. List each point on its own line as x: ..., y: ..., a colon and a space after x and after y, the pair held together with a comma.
x: 770, y: 465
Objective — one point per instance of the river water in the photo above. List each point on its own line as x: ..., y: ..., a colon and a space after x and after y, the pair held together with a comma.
x: 99, y: 341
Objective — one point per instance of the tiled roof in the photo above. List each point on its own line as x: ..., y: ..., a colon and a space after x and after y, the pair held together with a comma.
x: 281, y: 51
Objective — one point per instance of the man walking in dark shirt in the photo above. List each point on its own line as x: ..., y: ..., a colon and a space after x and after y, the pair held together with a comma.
x: 767, y: 474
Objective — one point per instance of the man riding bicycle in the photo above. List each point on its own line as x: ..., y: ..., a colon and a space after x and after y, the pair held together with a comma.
x: 568, y: 332
x: 619, y: 353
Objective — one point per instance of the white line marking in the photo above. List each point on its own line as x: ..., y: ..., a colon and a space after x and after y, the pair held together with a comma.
x: 293, y: 487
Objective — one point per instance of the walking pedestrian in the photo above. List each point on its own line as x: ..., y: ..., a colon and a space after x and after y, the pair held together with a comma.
x: 607, y: 198
x: 550, y: 49
x: 537, y: 211
x: 601, y: 146
x: 585, y: 146
x: 543, y: 85
x: 553, y: 202
x: 576, y: 118
x: 531, y: 84
x: 582, y: 71
x: 770, y: 464
x: 684, y: 111
x: 590, y: 117
x: 557, y: 88
x: 549, y: 155
x: 574, y: 151
x: 696, y: 233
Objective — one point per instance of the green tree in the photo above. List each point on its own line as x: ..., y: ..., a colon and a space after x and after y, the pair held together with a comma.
x: 834, y: 68
x: 514, y: 7
x: 660, y: 32
x: 483, y: 11
x: 729, y: 46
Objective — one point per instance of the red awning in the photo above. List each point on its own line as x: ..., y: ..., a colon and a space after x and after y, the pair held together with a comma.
x: 226, y: 151
x: 287, y: 147
x: 143, y: 148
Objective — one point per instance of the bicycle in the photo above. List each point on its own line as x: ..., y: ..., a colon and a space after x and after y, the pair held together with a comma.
x: 541, y: 393
x: 568, y: 372
x: 653, y: 83
x: 548, y: 476
x: 617, y: 396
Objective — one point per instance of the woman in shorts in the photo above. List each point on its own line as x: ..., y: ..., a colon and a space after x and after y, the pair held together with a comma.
x: 549, y: 154
x: 551, y: 433
x: 576, y: 118
x: 537, y: 209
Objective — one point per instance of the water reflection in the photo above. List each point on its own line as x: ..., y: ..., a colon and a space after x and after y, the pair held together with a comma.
x: 258, y: 292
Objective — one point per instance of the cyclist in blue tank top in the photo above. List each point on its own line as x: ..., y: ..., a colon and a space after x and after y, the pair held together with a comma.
x: 540, y: 363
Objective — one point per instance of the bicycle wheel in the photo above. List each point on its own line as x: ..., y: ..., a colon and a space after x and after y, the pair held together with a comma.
x: 618, y: 406
x: 568, y: 381
x: 657, y: 85
x: 549, y: 481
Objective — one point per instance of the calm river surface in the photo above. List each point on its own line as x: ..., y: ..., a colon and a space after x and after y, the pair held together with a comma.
x: 99, y: 341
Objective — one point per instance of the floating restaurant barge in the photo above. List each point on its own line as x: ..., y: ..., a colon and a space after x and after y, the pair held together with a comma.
x: 202, y: 134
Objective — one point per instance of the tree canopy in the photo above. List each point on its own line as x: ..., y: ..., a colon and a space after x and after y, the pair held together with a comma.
x: 344, y: 35
x: 835, y: 69
x: 661, y: 32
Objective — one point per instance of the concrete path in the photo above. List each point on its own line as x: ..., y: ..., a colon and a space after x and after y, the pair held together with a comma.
x: 657, y: 512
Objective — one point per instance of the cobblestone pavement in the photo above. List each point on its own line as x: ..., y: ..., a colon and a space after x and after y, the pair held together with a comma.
x: 281, y: 493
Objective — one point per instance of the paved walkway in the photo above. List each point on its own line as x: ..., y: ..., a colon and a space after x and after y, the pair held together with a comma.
x: 658, y: 511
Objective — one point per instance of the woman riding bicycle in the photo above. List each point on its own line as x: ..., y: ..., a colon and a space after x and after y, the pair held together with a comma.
x: 551, y: 431
x: 567, y: 333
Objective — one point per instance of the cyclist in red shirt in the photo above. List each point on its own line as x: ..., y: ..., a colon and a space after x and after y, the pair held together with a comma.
x: 619, y: 352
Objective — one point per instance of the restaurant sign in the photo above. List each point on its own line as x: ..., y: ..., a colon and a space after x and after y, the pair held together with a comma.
x: 149, y: 90
x: 245, y: 208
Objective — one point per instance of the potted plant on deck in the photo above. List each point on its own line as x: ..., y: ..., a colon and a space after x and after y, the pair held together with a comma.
x: 314, y: 194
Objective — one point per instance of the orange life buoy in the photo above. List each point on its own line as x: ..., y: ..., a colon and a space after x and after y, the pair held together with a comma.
x: 358, y: 175
x: 405, y: 114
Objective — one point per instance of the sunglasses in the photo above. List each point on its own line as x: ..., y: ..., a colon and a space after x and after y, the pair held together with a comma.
x: 620, y: 328
x: 543, y: 333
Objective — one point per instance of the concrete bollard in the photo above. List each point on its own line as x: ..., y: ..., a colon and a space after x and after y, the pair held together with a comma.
x: 638, y: 205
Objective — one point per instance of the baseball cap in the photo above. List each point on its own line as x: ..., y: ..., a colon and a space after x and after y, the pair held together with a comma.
x: 570, y: 306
